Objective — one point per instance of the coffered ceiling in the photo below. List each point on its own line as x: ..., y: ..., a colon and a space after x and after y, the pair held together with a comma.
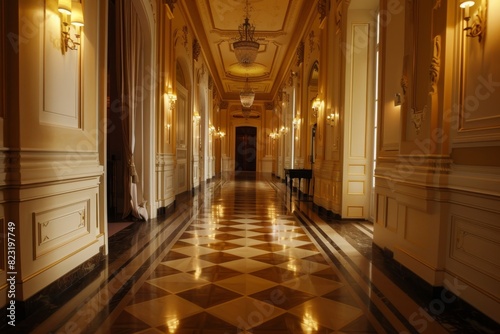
x: 279, y: 24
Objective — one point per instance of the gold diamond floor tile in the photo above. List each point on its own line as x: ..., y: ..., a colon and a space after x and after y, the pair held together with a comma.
x: 327, y: 313
x: 188, y: 264
x: 246, y: 242
x: 158, y: 312
x: 290, y: 324
x: 209, y: 295
x: 245, y: 313
x: 282, y: 297
x: 221, y: 245
x: 246, y: 265
x: 199, y: 323
x: 276, y: 274
x: 178, y: 282
x: 269, y: 246
x: 246, y: 284
x: 271, y: 258
x: 313, y: 284
x: 214, y: 273
x: 303, y: 267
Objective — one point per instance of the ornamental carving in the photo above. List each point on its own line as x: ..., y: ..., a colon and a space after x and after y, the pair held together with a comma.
x: 323, y: 9
x: 435, y: 64
x: 300, y: 53
x: 171, y: 4
x: 196, y: 49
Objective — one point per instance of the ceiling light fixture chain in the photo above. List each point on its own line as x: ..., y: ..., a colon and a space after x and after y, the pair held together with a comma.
x: 246, y: 47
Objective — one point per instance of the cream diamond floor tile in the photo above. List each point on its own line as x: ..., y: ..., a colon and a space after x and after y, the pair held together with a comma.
x: 246, y: 242
x: 246, y: 220
x: 245, y: 265
x: 246, y: 284
x: 327, y: 313
x: 312, y: 284
x: 194, y: 251
x: 245, y: 233
x: 246, y: 252
x: 303, y: 266
x: 199, y: 241
x: 288, y: 239
x: 296, y: 253
x: 160, y: 311
x: 178, y: 282
x: 188, y: 264
x: 245, y: 313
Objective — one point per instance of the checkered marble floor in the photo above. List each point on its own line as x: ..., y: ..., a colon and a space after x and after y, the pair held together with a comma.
x: 241, y: 256
x: 244, y: 265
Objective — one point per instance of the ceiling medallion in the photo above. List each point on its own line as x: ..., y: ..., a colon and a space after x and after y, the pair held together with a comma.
x: 246, y: 47
x: 246, y: 112
x: 247, y: 96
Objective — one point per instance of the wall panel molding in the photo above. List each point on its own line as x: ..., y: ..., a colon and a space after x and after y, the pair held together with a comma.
x: 475, y: 244
x: 61, y: 73
x: 59, y: 226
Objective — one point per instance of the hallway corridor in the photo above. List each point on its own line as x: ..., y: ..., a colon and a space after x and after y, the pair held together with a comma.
x: 240, y: 256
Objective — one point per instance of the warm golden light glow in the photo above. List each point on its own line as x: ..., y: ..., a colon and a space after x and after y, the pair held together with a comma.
x: 309, y: 325
x: 64, y: 7
x: 77, y: 14
x: 466, y: 3
x: 172, y: 325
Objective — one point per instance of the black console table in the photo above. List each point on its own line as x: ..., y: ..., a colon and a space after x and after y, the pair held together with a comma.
x: 291, y: 173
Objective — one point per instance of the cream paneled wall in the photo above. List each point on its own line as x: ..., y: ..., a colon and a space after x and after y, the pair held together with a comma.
x: 55, y: 172
x: 438, y: 174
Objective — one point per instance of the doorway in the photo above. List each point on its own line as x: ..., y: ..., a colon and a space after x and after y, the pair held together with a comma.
x: 129, y: 122
x: 246, y: 149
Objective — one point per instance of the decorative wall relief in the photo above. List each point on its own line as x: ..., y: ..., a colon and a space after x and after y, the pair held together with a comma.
x: 313, y: 42
x: 323, y: 8
x: 181, y: 35
x: 196, y: 49
x: 171, y: 4
x: 300, y: 53
x: 435, y: 65
x: 338, y: 16
x: 417, y: 118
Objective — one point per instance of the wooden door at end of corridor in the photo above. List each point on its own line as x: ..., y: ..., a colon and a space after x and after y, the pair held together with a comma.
x: 246, y: 149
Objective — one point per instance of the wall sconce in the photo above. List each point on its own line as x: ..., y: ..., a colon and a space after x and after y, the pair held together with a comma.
x: 475, y: 27
x: 315, y: 106
x: 220, y: 134
x: 296, y: 122
x: 168, y: 132
x: 196, y: 117
x: 274, y: 134
x: 211, y: 129
x: 397, y: 99
x: 67, y: 8
x: 330, y: 119
x: 171, y: 99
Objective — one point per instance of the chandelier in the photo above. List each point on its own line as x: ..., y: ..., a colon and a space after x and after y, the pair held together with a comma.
x: 245, y: 47
x: 247, y: 95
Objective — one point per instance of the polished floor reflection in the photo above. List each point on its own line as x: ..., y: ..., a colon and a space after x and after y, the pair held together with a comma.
x: 241, y: 256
